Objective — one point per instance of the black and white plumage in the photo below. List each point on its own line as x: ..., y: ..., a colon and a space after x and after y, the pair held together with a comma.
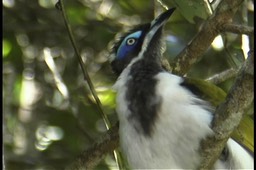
x: 161, y: 121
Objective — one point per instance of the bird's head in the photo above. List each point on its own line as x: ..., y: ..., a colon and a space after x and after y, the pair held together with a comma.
x: 143, y: 41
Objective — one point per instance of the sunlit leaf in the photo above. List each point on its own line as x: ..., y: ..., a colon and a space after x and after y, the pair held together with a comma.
x: 107, y: 98
x: 17, y: 90
x: 7, y: 47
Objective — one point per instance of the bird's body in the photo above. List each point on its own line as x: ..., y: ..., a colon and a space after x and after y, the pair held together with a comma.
x: 161, y: 121
x: 182, y: 128
x: 175, y: 136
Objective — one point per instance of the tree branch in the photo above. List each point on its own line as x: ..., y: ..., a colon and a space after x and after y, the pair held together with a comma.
x: 211, y: 28
x: 89, y: 158
x: 60, y: 6
x: 223, y: 76
x: 229, y: 114
x: 238, y: 29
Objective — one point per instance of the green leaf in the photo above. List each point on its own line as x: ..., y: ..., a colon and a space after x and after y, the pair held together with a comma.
x: 107, y: 98
x: 244, y: 133
x: 192, y: 8
x: 7, y: 46
x: 209, y: 91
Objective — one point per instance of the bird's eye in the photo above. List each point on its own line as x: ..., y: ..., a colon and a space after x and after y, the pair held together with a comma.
x: 130, y: 41
x: 128, y: 44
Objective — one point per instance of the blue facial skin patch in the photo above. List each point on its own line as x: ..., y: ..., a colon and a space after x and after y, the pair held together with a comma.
x: 124, y: 48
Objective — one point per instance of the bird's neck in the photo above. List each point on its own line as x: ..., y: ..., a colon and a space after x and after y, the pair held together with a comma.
x: 142, y: 101
x: 147, y: 68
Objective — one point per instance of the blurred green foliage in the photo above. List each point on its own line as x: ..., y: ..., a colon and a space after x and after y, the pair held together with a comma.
x: 49, y: 114
x: 191, y: 9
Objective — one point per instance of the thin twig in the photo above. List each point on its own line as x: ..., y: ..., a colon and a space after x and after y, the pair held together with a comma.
x: 60, y: 6
x: 230, y: 57
x: 223, y: 76
x: 238, y: 29
x: 82, y: 65
x: 162, y: 4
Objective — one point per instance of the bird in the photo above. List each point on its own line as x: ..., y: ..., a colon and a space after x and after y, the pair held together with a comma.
x: 161, y: 120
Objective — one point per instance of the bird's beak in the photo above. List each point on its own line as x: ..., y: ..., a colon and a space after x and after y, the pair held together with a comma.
x: 161, y: 20
x: 155, y: 26
x: 155, y: 31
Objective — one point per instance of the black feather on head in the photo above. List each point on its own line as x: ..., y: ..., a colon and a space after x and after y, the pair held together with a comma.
x: 119, y: 64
